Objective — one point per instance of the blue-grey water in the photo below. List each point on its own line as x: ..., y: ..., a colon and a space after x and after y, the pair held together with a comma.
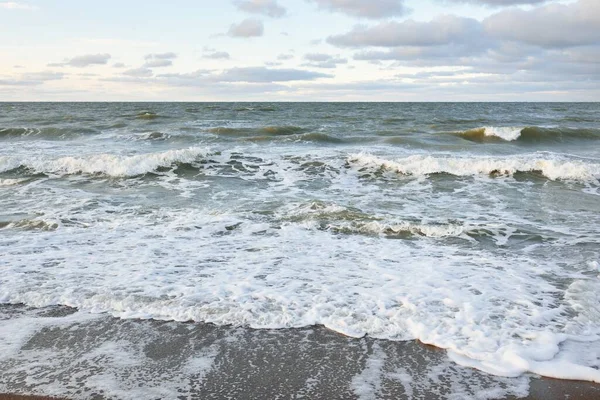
x: 472, y: 227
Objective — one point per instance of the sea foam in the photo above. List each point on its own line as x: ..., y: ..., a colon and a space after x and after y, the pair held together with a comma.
x: 106, y: 164
x: 553, y: 168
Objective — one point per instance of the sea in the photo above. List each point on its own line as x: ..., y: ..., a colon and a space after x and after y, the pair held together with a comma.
x: 298, y: 250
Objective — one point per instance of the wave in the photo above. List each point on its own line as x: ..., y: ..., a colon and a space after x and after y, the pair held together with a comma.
x: 30, y: 225
x: 261, y: 108
x: 307, y: 137
x: 45, y: 132
x: 11, y: 182
x: 423, y: 165
x: 348, y: 220
x: 147, y: 115
x: 266, y: 130
x: 531, y: 134
x: 103, y: 164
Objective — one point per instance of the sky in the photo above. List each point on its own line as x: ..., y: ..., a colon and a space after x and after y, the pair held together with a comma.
x: 300, y: 50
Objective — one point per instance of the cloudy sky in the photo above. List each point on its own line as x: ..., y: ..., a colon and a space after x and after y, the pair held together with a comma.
x: 300, y: 50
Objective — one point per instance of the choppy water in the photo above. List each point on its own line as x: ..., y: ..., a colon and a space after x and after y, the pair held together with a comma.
x: 471, y: 227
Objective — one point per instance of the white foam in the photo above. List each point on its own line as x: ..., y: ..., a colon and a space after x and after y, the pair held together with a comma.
x: 505, y: 133
x: 10, y: 182
x: 107, y: 164
x: 367, y: 384
x: 553, y: 168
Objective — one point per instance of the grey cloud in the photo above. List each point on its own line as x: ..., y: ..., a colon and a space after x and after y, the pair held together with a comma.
x: 247, y: 28
x: 141, y: 72
x: 442, y: 30
x: 217, y: 55
x: 201, y: 73
x: 263, y: 74
x: 551, y: 43
x: 84, y: 61
x: 424, y: 55
x: 158, y: 63
x: 33, y: 78
x: 118, y: 65
x: 317, y: 57
x: 498, y: 3
x: 284, y: 57
x: 161, y: 56
x: 364, y: 8
x: 322, y: 60
x: 553, y: 25
x: 243, y: 75
x: 269, y: 8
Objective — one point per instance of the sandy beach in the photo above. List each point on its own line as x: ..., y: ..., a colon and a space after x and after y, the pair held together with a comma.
x: 80, y: 356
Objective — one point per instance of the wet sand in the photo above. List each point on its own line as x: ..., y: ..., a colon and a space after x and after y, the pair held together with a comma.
x: 105, y: 357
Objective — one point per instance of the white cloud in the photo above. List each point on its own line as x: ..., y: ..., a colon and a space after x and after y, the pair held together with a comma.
x: 269, y: 8
x: 247, y: 28
x: 12, y: 5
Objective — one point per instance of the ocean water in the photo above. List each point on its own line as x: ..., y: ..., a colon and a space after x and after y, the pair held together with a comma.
x: 471, y: 227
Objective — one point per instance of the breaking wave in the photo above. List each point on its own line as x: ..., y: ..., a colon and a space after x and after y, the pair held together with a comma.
x: 531, y: 134
x: 422, y: 165
x: 45, y: 132
x: 104, y: 164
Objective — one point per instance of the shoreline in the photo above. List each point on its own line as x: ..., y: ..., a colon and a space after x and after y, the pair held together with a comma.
x: 81, y: 356
x: 540, y: 389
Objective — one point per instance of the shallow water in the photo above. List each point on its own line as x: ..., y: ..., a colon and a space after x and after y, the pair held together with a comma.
x: 471, y: 227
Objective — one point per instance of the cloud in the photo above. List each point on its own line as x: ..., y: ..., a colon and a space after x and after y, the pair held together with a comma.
x: 161, y: 56
x: 498, y: 3
x: 158, y: 63
x: 520, y: 49
x: 553, y: 25
x: 217, y: 55
x: 84, y: 61
x: 322, y: 60
x: 12, y: 5
x: 141, y: 72
x: 241, y: 75
x: 284, y: 57
x: 442, y: 30
x: 269, y: 8
x: 118, y: 65
x: 33, y: 78
x: 263, y: 74
x: 247, y: 28
x: 374, y: 9
x: 157, y: 60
